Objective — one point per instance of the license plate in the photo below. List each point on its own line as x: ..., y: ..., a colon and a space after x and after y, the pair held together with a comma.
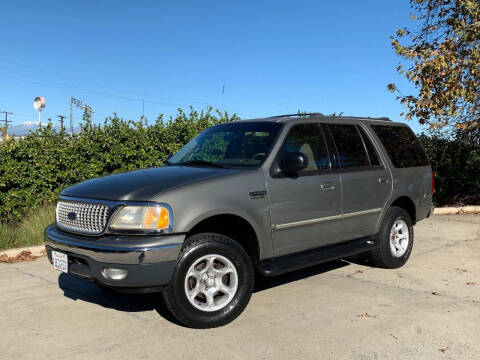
x: 60, y: 261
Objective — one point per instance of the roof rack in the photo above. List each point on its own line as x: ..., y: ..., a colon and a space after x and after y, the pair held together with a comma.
x: 297, y: 114
x: 384, y: 118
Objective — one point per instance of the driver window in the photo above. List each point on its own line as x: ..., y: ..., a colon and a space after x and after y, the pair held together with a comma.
x: 308, y: 139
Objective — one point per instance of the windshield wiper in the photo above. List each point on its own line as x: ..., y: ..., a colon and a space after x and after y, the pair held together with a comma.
x: 201, y: 163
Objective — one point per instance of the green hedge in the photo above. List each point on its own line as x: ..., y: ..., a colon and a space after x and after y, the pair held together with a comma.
x: 455, y: 160
x: 35, y: 169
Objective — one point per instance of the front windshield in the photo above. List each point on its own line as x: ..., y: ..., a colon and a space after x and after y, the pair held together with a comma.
x: 236, y: 144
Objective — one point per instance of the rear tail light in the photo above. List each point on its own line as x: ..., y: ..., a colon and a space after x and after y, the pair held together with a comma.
x: 433, y: 182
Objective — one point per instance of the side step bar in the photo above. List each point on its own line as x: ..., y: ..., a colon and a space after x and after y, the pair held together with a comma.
x: 287, y: 263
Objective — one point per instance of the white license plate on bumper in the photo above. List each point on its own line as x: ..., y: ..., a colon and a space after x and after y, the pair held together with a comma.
x: 60, y: 261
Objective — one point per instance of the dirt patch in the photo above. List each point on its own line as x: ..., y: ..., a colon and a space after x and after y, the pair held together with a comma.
x: 457, y: 210
x: 25, y: 255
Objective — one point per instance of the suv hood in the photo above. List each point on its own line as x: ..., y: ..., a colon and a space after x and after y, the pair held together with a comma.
x: 142, y: 185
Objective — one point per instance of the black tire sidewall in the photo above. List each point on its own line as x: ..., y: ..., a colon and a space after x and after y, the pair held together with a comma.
x: 211, y: 244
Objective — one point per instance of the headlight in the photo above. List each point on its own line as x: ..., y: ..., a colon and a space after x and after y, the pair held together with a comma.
x: 142, y: 218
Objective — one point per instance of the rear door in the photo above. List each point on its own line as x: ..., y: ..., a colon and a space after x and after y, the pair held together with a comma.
x: 411, y: 172
x: 305, y: 208
x: 366, y: 182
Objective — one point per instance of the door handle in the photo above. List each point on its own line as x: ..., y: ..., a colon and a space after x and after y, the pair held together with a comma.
x: 383, y: 180
x: 328, y: 186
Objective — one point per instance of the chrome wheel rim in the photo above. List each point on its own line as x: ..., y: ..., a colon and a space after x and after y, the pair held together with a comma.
x: 211, y: 282
x: 399, y: 238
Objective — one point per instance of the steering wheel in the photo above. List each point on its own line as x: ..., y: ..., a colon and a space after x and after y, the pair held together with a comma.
x: 254, y: 157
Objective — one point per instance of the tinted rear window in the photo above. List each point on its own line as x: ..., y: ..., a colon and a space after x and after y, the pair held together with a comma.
x: 402, y: 145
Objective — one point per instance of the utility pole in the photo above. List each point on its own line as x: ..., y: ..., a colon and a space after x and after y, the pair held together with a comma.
x: 61, y: 117
x: 6, y: 121
x: 71, y: 117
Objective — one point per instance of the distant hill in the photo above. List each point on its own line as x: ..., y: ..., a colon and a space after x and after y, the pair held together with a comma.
x: 23, y: 128
x: 27, y: 127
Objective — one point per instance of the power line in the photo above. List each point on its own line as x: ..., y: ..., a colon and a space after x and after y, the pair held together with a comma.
x: 92, y: 92
x: 69, y: 85
x: 56, y: 85
x: 67, y: 82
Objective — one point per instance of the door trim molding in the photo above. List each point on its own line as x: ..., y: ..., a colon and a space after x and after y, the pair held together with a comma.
x: 326, y: 218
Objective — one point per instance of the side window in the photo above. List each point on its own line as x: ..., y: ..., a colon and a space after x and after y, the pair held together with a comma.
x: 308, y: 139
x: 351, y: 150
x: 402, y: 145
x: 372, y: 154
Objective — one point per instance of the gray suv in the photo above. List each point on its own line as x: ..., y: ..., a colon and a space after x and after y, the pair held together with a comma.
x: 262, y: 196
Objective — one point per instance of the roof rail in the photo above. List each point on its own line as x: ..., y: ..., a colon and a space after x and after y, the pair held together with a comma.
x: 384, y: 118
x: 298, y: 114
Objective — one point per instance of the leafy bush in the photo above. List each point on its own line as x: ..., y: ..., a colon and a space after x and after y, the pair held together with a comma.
x: 35, y: 169
x: 455, y: 160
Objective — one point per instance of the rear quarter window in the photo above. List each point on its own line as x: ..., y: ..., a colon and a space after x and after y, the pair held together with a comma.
x: 402, y: 146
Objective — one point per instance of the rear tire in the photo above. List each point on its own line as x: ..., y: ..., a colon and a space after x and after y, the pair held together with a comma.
x: 395, y: 240
x: 212, y: 282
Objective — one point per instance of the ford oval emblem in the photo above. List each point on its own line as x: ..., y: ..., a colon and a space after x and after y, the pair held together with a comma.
x: 72, y: 216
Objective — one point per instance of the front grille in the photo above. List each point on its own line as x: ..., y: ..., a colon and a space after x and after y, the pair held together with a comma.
x: 82, y: 217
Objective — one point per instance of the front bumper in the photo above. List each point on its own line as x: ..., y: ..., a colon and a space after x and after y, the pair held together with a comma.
x: 148, y: 260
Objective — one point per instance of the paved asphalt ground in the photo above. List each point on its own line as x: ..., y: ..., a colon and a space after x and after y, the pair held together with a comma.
x: 429, y: 309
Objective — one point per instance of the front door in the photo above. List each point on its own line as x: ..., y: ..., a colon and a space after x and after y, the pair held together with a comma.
x: 305, y: 208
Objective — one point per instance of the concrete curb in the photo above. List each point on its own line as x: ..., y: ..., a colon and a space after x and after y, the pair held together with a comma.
x: 35, y: 250
x: 457, y: 210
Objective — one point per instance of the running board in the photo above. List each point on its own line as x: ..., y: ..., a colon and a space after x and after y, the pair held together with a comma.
x: 287, y: 263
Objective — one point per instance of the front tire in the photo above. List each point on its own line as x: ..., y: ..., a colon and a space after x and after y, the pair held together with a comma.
x: 395, y: 240
x: 212, y: 282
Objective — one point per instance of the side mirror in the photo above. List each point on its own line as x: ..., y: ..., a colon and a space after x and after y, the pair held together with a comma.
x: 293, y: 162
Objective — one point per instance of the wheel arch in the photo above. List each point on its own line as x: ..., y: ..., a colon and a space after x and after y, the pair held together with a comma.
x: 402, y: 201
x: 232, y: 225
x: 406, y: 203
